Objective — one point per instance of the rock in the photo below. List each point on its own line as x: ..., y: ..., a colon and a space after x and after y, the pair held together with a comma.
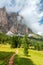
x: 12, y: 22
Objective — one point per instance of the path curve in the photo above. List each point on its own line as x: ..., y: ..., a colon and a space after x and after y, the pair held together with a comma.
x: 11, y: 60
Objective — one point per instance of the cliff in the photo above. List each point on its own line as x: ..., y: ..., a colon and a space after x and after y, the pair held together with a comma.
x: 12, y: 22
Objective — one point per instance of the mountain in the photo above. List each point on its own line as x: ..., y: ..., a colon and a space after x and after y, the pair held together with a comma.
x: 12, y: 22
x: 3, y: 20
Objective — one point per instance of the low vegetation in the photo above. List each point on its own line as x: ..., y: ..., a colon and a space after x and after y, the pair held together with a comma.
x: 16, y: 41
x: 4, y: 57
x: 33, y: 58
x: 30, y: 50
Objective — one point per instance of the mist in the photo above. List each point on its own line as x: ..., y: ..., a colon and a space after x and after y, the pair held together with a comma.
x: 31, y: 10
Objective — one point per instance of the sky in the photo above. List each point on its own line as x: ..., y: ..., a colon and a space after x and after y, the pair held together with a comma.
x: 31, y: 10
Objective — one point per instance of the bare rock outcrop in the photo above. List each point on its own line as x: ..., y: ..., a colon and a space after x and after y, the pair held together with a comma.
x: 12, y: 22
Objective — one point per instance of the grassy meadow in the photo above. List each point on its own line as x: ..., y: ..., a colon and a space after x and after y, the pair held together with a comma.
x: 5, y: 53
x: 34, y: 57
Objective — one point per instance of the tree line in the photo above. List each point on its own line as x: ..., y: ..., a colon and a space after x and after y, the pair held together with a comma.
x: 24, y: 42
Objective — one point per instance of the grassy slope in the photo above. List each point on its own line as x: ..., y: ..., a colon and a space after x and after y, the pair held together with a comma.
x: 6, y: 48
x: 5, y: 53
x: 34, y: 58
x: 36, y: 36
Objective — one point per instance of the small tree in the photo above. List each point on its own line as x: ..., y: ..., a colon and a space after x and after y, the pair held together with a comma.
x: 38, y: 46
x: 19, y: 42
x: 25, y: 44
x: 42, y: 46
x: 15, y: 42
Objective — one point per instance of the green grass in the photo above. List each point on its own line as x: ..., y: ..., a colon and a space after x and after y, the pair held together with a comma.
x: 4, y: 57
x: 5, y: 53
x: 34, y: 58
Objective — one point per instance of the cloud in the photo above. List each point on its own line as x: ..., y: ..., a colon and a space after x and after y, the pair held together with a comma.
x: 2, y: 3
x: 15, y: 5
x: 33, y: 15
x: 31, y: 10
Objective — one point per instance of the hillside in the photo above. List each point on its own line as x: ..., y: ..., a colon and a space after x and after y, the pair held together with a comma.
x: 35, y: 37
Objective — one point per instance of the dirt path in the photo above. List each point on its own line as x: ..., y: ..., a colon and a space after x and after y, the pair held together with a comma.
x: 11, y: 60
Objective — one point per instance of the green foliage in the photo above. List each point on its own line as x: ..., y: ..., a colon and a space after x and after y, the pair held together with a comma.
x: 25, y: 44
x: 19, y: 42
x: 37, y: 46
x: 26, y: 49
x: 42, y: 46
x: 16, y: 42
x: 4, y: 38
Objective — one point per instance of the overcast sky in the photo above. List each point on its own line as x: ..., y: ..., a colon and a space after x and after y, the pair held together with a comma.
x: 31, y: 10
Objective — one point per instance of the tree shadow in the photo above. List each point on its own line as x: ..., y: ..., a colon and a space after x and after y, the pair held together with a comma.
x: 23, y: 61
x: 4, y: 57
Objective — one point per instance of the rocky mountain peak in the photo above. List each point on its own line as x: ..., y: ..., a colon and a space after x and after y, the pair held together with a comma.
x: 12, y: 22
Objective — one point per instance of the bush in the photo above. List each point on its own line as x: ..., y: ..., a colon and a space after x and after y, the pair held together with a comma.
x: 37, y: 46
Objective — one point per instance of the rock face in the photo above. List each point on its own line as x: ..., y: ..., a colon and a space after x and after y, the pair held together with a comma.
x: 12, y: 22
x: 3, y: 20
